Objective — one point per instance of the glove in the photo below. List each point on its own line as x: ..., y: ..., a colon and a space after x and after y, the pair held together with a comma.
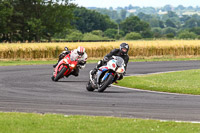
x: 113, y: 57
x: 82, y: 66
x: 81, y: 62
x: 66, y: 48
x: 105, y: 59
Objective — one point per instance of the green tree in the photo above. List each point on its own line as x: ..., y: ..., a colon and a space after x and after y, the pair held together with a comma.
x: 134, y: 24
x: 170, y: 23
x: 6, y: 12
x: 36, y: 28
x: 191, y: 23
x: 196, y: 30
x: 169, y: 30
x: 36, y: 19
x: 157, y: 32
x: 123, y: 14
x: 88, y: 20
x: 57, y: 16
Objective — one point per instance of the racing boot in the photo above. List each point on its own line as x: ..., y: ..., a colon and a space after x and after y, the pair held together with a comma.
x: 75, y: 72
x: 93, y: 78
x: 94, y: 71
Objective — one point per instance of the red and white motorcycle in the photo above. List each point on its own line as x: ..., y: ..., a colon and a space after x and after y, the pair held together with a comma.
x: 64, y: 68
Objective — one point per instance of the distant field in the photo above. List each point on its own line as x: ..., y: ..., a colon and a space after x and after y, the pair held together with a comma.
x: 140, y: 49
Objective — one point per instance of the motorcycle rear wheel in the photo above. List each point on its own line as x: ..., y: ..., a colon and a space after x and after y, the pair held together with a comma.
x: 89, y: 87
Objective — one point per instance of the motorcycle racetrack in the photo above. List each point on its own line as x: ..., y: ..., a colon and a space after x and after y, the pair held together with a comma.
x: 30, y: 89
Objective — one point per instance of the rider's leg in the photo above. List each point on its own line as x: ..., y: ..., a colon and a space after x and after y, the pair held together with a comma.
x: 100, y: 63
x: 61, y: 56
x: 75, y: 72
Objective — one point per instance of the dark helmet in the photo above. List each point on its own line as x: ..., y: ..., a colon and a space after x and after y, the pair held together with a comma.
x: 124, y: 48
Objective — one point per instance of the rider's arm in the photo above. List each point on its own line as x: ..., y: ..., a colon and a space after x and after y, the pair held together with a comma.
x: 126, y: 61
x: 82, y: 61
x: 113, y: 52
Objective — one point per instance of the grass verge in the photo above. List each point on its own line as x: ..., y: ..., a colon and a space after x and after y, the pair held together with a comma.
x: 55, y: 123
x: 185, y: 82
x: 6, y: 62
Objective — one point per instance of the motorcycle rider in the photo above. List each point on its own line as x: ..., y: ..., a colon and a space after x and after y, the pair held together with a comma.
x: 78, y: 54
x: 122, y: 52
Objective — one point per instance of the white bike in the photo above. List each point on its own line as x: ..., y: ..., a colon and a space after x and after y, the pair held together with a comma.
x: 106, y: 75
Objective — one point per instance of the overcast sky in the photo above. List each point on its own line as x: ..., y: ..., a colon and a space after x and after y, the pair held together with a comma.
x: 141, y: 3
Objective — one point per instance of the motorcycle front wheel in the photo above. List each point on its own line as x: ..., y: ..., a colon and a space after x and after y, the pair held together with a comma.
x: 105, y: 83
x: 60, y: 74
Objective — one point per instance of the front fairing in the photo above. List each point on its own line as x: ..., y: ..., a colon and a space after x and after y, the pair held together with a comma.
x: 104, y: 71
x: 65, y: 62
x: 114, y: 67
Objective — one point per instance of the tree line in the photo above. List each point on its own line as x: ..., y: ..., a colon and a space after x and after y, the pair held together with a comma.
x: 27, y: 20
x: 165, y: 22
x: 38, y: 20
x: 92, y: 25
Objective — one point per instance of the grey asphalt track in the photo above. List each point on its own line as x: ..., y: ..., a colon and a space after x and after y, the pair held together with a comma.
x: 30, y: 89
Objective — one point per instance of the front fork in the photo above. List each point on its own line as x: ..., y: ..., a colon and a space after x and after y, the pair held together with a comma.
x: 105, y: 76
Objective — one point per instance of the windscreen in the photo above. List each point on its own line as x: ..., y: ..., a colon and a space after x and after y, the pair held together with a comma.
x: 120, y: 61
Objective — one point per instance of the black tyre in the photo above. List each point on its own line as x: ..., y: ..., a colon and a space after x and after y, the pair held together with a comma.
x: 89, y: 86
x: 106, y: 83
x: 60, y: 74
x: 52, y: 78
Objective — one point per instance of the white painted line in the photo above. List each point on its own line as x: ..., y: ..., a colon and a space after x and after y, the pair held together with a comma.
x: 158, y: 92
x: 195, y: 122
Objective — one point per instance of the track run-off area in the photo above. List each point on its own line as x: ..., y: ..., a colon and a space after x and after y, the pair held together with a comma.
x: 30, y: 89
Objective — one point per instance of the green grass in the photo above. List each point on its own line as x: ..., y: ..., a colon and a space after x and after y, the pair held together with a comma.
x: 42, y: 62
x: 54, y: 123
x: 186, y: 82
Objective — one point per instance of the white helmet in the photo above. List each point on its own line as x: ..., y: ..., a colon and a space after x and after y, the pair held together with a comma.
x: 80, y: 51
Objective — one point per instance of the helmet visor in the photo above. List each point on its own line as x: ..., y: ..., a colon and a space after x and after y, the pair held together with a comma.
x: 80, y: 53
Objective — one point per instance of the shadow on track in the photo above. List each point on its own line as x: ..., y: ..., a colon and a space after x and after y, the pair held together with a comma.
x: 109, y: 92
x: 72, y: 81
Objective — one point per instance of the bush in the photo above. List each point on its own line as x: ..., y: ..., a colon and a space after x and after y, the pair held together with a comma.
x: 90, y: 37
x: 117, y: 36
x: 75, y: 36
x: 97, y: 32
x: 110, y: 33
x: 147, y: 34
x: 187, y: 35
x: 113, y: 33
x: 157, y: 32
x: 133, y: 36
x: 170, y: 35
